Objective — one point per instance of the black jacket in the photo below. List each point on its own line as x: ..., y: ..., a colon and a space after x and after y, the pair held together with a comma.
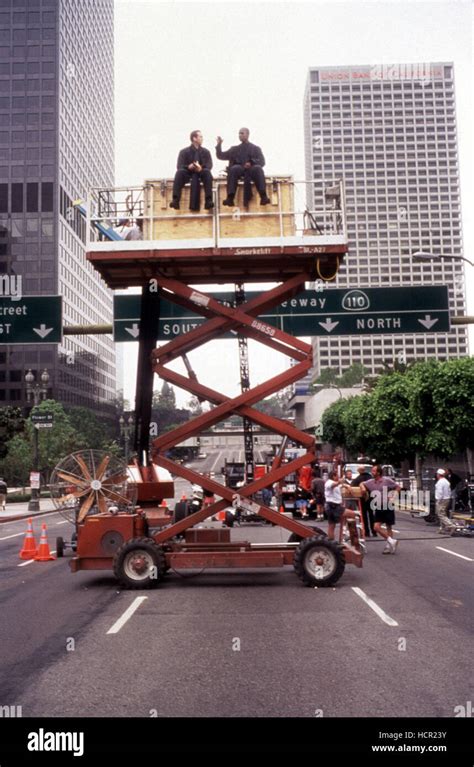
x: 242, y: 153
x: 364, y: 477
x: 191, y: 154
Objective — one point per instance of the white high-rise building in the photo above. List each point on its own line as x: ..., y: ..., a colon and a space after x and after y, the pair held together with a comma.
x: 390, y: 132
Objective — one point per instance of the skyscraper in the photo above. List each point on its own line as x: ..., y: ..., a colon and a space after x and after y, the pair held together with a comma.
x: 56, y: 140
x: 390, y: 133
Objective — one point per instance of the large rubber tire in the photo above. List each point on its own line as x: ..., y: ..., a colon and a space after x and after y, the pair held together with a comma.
x: 59, y: 547
x: 229, y: 519
x: 74, y: 541
x: 324, y: 572
x: 132, y: 563
x: 181, y: 511
x: 295, y: 538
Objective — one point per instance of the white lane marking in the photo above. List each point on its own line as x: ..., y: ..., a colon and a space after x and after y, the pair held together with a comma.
x: 29, y: 561
x: 383, y: 615
x: 62, y: 523
x: 455, y: 554
x: 215, y: 462
x: 11, y: 536
x: 126, y: 616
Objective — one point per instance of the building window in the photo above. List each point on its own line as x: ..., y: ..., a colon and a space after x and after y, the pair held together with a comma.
x: 17, y: 198
x: 47, y: 197
x: 32, y: 198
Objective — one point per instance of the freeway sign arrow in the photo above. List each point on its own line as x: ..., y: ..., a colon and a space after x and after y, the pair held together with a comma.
x: 328, y: 325
x: 428, y: 322
x: 43, y: 331
x: 134, y: 330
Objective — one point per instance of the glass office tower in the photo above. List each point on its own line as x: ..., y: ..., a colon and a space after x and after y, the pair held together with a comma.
x: 56, y: 140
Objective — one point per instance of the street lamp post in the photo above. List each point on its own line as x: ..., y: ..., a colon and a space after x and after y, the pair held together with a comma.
x: 421, y: 255
x: 35, y: 393
x: 125, y: 431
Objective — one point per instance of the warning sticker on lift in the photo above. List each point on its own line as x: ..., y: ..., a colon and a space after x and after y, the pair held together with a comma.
x: 199, y: 298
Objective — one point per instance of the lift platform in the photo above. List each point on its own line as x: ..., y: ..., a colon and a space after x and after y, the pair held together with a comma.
x: 178, y: 251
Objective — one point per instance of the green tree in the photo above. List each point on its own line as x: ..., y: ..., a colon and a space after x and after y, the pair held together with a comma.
x: 352, y: 375
x: 96, y: 432
x: 17, y: 464
x: 11, y: 422
x: 328, y: 376
x: 334, y: 430
x: 425, y: 409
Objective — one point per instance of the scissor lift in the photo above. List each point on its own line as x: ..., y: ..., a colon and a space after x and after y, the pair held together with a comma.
x: 172, y: 268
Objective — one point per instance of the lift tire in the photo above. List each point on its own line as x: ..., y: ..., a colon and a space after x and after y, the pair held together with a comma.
x: 229, y: 519
x: 295, y: 538
x: 132, y: 563
x: 59, y: 547
x: 181, y: 511
x: 74, y: 541
x: 331, y: 566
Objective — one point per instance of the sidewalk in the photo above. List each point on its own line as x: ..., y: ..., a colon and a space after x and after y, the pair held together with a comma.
x: 20, y: 510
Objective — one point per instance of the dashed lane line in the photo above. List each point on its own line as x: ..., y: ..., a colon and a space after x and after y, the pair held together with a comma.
x: 126, y: 615
x: 16, y: 535
x: 374, y: 606
x: 455, y: 554
x: 29, y: 561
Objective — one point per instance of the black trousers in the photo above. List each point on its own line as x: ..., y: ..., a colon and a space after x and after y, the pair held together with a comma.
x: 255, y: 174
x: 369, y: 521
x: 183, y: 176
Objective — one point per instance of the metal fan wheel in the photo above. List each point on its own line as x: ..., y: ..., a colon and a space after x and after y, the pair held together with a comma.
x: 91, y: 482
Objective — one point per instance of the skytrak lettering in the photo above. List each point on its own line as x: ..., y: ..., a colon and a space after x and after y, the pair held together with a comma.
x: 264, y: 328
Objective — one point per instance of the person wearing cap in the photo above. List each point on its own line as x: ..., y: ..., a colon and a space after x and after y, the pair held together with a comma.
x: 443, y: 500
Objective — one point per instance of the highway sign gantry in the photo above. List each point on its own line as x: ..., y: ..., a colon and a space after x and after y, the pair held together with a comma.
x: 31, y: 320
x: 328, y: 312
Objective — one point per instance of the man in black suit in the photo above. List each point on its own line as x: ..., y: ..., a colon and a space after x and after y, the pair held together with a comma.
x: 247, y: 160
x: 194, y: 165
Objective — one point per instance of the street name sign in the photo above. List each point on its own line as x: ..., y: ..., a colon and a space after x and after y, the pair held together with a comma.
x: 327, y: 312
x: 31, y: 320
x: 42, y: 420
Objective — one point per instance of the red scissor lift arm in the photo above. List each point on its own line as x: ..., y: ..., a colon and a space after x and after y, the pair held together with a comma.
x: 221, y: 319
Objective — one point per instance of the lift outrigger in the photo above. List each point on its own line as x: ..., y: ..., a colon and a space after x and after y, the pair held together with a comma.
x: 178, y: 253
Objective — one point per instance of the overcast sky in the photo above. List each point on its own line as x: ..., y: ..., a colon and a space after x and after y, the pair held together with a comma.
x: 218, y: 66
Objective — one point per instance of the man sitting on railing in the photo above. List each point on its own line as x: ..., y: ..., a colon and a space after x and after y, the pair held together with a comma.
x: 194, y: 165
x: 247, y: 160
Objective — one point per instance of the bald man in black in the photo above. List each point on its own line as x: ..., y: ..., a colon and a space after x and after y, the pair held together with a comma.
x: 245, y: 160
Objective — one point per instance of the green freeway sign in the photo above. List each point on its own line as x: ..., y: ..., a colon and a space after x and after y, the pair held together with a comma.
x: 31, y: 320
x: 331, y: 311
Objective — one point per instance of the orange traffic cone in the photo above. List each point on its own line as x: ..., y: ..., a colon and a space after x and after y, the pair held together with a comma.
x: 221, y: 516
x: 29, y: 549
x: 184, y: 497
x: 44, y: 554
x: 163, y: 504
x: 282, y: 509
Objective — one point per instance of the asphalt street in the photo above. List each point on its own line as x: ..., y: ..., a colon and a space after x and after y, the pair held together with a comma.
x: 241, y: 643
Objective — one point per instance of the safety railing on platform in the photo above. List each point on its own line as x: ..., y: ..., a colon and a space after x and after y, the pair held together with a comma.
x: 310, y: 211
